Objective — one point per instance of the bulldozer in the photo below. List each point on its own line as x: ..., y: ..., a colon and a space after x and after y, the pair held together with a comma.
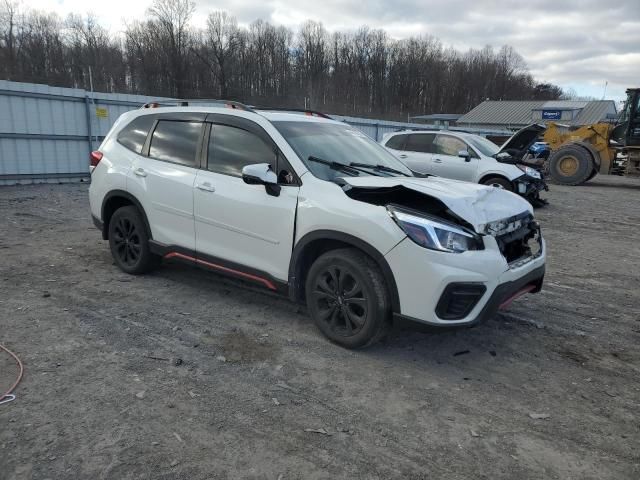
x: 580, y: 154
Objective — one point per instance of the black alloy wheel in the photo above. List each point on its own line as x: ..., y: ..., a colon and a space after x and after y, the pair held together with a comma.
x: 340, y: 300
x: 129, y: 242
x: 347, y: 298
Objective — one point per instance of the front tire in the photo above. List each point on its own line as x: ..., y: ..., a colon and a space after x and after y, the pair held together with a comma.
x: 129, y: 242
x: 347, y: 298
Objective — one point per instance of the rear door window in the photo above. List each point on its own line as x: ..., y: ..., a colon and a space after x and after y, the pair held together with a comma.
x: 176, y: 142
x: 135, y: 133
x: 233, y: 148
x: 420, y: 142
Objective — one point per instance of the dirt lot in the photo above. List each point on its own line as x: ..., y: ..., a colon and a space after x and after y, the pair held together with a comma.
x: 185, y: 374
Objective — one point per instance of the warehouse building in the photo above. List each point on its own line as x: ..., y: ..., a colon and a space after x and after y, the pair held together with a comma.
x: 513, y: 115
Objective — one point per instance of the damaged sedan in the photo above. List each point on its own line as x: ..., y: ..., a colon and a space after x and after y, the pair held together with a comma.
x: 314, y: 209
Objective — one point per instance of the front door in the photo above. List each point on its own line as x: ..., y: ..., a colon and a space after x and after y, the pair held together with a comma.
x: 243, y: 225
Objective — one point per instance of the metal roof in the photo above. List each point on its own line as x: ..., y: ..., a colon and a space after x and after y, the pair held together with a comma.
x: 520, y: 112
x: 438, y: 116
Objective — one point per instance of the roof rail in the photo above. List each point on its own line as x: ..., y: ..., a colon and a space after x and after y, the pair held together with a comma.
x: 306, y: 111
x: 199, y: 101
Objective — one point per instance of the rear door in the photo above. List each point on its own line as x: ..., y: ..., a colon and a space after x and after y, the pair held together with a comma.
x: 447, y: 163
x: 418, y: 152
x: 241, y: 227
x: 162, y: 177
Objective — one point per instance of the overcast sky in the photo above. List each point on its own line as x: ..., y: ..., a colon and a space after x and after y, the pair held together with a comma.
x: 577, y: 44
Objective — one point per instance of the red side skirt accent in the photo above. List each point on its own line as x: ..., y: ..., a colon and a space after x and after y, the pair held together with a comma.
x: 519, y: 293
x: 222, y: 268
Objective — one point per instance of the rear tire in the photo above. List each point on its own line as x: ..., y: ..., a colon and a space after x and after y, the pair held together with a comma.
x: 347, y: 298
x: 498, y: 182
x: 129, y: 242
x: 571, y: 165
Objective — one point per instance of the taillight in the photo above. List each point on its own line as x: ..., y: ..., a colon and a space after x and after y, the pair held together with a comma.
x: 94, y: 158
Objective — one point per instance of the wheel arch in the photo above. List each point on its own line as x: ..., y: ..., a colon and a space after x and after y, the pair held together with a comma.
x: 114, y: 200
x: 315, y: 243
x: 489, y: 175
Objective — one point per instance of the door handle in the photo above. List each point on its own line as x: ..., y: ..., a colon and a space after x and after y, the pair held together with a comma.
x: 404, y: 155
x: 206, y: 187
x: 437, y: 160
x: 140, y: 172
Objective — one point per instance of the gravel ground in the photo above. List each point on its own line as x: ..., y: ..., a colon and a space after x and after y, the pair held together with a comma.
x: 185, y: 374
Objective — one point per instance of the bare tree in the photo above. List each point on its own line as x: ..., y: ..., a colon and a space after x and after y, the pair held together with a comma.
x: 172, y: 17
x: 363, y: 72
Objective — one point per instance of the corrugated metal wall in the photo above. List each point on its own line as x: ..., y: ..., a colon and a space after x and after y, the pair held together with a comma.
x: 377, y: 128
x: 46, y: 133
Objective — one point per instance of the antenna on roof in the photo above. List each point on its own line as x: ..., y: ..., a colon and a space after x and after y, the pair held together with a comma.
x: 604, y: 94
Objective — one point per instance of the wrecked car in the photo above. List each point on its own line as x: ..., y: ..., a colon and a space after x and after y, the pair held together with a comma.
x: 311, y: 208
x: 465, y: 156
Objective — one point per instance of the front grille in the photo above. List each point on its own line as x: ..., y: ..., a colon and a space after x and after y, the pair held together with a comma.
x: 521, y: 245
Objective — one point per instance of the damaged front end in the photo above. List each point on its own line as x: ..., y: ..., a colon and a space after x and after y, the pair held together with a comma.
x: 530, y: 188
x: 451, y: 216
x: 519, y: 238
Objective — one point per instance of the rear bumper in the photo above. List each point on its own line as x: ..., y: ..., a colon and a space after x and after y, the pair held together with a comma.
x: 501, y: 296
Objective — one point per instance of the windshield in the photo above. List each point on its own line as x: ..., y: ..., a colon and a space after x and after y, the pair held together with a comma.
x: 337, y: 143
x: 486, y: 147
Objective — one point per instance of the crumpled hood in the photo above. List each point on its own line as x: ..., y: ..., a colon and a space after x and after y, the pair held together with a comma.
x: 476, y: 204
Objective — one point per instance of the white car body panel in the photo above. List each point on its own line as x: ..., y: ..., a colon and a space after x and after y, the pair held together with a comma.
x: 324, y: 206
x: 167, y: 190
x: 261, y: 236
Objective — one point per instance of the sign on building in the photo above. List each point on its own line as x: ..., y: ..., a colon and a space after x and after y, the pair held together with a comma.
x: 551, y: 114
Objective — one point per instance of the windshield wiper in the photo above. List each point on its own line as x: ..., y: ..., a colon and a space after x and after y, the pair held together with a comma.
x: 379, y: 167
x: 350, y: 168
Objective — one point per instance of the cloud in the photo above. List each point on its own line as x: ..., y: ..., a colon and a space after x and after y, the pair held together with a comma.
x: 573, y: 42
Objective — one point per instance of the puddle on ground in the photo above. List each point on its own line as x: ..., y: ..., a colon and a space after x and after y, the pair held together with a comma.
x: 242, y: 348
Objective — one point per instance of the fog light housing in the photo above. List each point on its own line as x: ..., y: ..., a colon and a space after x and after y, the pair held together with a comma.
x: 458, y: 299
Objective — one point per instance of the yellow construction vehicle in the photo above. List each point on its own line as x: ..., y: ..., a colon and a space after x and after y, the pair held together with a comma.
x: 580, y: 154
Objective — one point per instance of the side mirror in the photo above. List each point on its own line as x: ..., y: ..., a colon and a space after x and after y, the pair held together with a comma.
x: 465, y: 154
x: 261, y: 174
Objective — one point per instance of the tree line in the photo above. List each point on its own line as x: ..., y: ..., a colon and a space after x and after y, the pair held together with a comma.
x: 363, y: 73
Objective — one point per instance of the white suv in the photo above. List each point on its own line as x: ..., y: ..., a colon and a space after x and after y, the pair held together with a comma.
x: 471, y: 158
x: 314, y: 209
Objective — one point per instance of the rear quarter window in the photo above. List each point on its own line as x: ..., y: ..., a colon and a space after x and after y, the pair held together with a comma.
x: 135, y: 133
x: 396, y: 142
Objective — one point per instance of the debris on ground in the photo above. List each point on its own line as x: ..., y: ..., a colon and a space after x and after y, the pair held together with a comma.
x: 462, y: 352
x: 321, y: 431
x: 539, y: 416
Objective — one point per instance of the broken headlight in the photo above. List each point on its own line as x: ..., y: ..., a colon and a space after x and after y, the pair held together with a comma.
x: 532, y: 172
x: 433, y: 233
